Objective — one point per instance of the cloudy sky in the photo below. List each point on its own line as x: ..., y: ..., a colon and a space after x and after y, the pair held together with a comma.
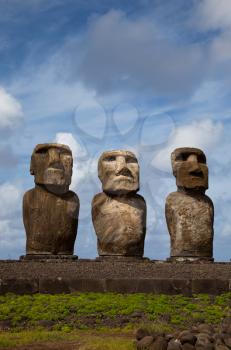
x: 143, y: 75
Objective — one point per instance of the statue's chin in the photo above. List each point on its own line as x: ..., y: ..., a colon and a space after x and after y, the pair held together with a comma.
x: 120, y: 187
x: 120, y: 191
x: 198, y: 189
x: 56, y: 189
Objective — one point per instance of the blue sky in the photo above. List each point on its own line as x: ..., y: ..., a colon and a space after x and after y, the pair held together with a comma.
x: 144, y: 75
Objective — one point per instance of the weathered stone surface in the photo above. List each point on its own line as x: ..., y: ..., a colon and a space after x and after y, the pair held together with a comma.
x: 189, y: 212
x: 198, y: 337
x: 169, y: 336
x: 128, y: 286
x: 120, y: 224
x: 107, y: 276
x: 204, y: 339
x: 47, y: 257
x: 168, y: 286
x: 50, y: 210
x: 174, y: 344
x: 144, y: 343
x: 187, y: 337
x: 190, y: 219
x: 226, y: 326
x: 189, y: 168
x: 159, y: 344
x: 221, y: 347
x: 188, y: 346
x: 227, y: 341
x: 119, y: 214
x: 118, y: 171
x: 54, y: 285
x: 210, y: 286
x: 208, y: 346
x: 19, y: 286
x: 218, y: 340
x: 205, y: 328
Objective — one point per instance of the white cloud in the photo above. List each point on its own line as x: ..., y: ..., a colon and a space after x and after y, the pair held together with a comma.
x: 201, y: 134
x: 46, y: 91
x: 9, y: 233
x: 83, y: 167
x: 10, y: 197
x: 220, y: 48
x: 83, y: 171
x: 12, y: 238
x: 10, y: 110
x: 122, y: 54
x: 69, y: 140
x: 208, y: 91
x: 215, y: 14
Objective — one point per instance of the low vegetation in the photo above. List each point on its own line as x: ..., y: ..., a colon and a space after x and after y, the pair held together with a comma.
x: 42, y: 317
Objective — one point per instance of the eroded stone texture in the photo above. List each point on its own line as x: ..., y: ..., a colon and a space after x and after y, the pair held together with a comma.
x: 50, y: 210
x: 189, y: 212
x: 119, y: 214
x: 119, y: 172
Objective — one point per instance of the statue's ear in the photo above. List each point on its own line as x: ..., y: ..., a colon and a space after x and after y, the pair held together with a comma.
x: 100, y: 168
x: 32, y: 166
x: 173, y: 163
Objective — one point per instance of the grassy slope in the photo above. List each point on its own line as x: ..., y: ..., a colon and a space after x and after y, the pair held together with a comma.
x: 29, y: 316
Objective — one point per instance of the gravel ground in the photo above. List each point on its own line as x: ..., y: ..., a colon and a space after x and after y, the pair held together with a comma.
x: 113, y: 269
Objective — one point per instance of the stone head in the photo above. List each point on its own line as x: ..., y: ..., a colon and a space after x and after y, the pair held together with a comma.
x: 189, y: 168
x: 118, y: 171
x: 51, y: 165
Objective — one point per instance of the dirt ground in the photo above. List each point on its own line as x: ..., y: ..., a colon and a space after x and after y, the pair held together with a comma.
x: 69, y: 345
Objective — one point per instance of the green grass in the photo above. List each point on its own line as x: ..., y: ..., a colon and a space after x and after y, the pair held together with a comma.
x: 86, y: 340
x: 10, y: 339
x: 70, y: 310
x: 67, y: 316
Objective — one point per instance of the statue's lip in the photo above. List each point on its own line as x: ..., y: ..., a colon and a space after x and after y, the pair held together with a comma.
x: 123, y: 177
x: 197, y: 174
x: 56, y: 169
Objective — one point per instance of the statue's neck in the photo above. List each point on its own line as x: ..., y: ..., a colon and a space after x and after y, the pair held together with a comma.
x: 191, y: 191
x: 57, y: 190
x: 119, y: 194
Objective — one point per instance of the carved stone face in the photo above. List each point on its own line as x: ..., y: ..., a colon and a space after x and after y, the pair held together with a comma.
x: 189, y: 168
x: 119, y: 172
x: 51, y: 164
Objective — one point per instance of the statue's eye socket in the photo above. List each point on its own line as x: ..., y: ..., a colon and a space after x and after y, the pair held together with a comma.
x: 42, y: 151
x: 131, y: 160
x: 182, y: 157
x: 65, y: 153
x: 110, y: 159
x: 201, y: 159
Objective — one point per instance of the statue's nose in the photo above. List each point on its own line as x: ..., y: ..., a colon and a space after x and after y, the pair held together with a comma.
x: 54, y: 156
x: 192, y: 158
x: 120, y: 164
x: 195, y: 166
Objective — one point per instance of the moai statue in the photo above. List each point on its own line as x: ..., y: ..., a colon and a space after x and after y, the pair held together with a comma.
x: 118, y: 213
x: 189, y: 212
x: 50, y: 210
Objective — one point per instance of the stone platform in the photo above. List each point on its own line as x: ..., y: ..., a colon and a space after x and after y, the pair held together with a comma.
x: 138, y: 276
